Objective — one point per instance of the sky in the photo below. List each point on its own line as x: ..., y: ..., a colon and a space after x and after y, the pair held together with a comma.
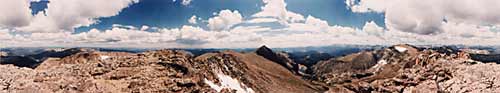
x: 246, y: 23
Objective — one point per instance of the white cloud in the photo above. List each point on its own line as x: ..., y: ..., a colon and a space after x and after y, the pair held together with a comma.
x: 373, y: 29
x: 297, y: 34
x: 14, y: 13
x: 186, y: 2
x: 224, y: 20
x: 123, y: 26
x: 5, y: 35
x: 193, y: 20
x: 426, y: 17
x: 40, y: 23
x: 64, y: 15
x: 277, y: 9
x: 37, y: 0
x: 262, y: 20
x: 144, y: 28
x: 317, y: 22
x: 228, y: 29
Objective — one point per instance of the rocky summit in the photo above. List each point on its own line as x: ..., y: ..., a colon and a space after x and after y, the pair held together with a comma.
x: 400, y: 68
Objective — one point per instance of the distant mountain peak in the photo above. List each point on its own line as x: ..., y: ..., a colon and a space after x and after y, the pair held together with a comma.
x: 264, y: 50
x: 280, y: 58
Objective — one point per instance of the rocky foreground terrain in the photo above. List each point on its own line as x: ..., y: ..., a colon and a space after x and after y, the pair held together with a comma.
x: 400, y: 68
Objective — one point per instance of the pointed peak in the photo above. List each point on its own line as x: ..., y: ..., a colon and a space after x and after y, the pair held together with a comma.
x: 406, y: 46
x: 264, y: 49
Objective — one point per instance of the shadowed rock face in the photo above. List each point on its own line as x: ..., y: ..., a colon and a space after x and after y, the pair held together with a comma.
x: 494, y: 58
x: 20, y: 61
x: 59, y: 53
x: 32, y: 61
x: 280, y: 58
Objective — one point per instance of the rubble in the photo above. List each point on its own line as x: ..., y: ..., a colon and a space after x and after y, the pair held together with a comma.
x: 423, y: 71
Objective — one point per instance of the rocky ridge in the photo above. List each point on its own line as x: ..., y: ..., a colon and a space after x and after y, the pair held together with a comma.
x: 154, y: 71
x: 399, y: 68
x: 408, y: 69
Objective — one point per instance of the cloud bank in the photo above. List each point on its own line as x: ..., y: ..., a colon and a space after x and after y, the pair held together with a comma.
x: 60, y: 16
x: 430, y: 16
x: 15, y: 13
x: 420, y: 23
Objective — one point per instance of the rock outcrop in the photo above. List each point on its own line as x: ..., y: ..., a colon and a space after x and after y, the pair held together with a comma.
x: 280, y: 58
x: 407, y: 70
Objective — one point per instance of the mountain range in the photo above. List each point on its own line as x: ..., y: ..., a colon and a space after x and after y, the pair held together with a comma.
x: 399, y: 68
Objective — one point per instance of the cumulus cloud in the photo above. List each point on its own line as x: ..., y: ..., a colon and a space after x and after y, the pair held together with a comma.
x: 14, y: 13
x: 316, y: 22
x: 430, y: 16
x: 65, y: 15
x: 224, y: 20
x: 373, y: 29
x: 277, y: 9
x: 193, y: 20
x: 144, y: 28
x: 186, y: 2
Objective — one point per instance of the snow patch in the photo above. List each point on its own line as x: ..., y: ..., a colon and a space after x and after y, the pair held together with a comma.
x: 400, y: 49
x: 230, y: 83
x: 379, y: 64
x: 104, y: 57
x: 302, y: 69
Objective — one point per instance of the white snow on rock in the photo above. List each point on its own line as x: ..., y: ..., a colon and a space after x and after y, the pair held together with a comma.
x: 104, y: 57
x: 379, y: 65
x: 400, y: 49
x: 302, y: 69
x: 230, y: 83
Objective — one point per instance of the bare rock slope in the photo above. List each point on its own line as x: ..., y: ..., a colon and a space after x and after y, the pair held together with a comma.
x: 154, y: 71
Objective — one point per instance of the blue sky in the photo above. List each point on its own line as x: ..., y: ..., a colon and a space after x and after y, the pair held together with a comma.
x: 246, y: 23
x: 170, y: 14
